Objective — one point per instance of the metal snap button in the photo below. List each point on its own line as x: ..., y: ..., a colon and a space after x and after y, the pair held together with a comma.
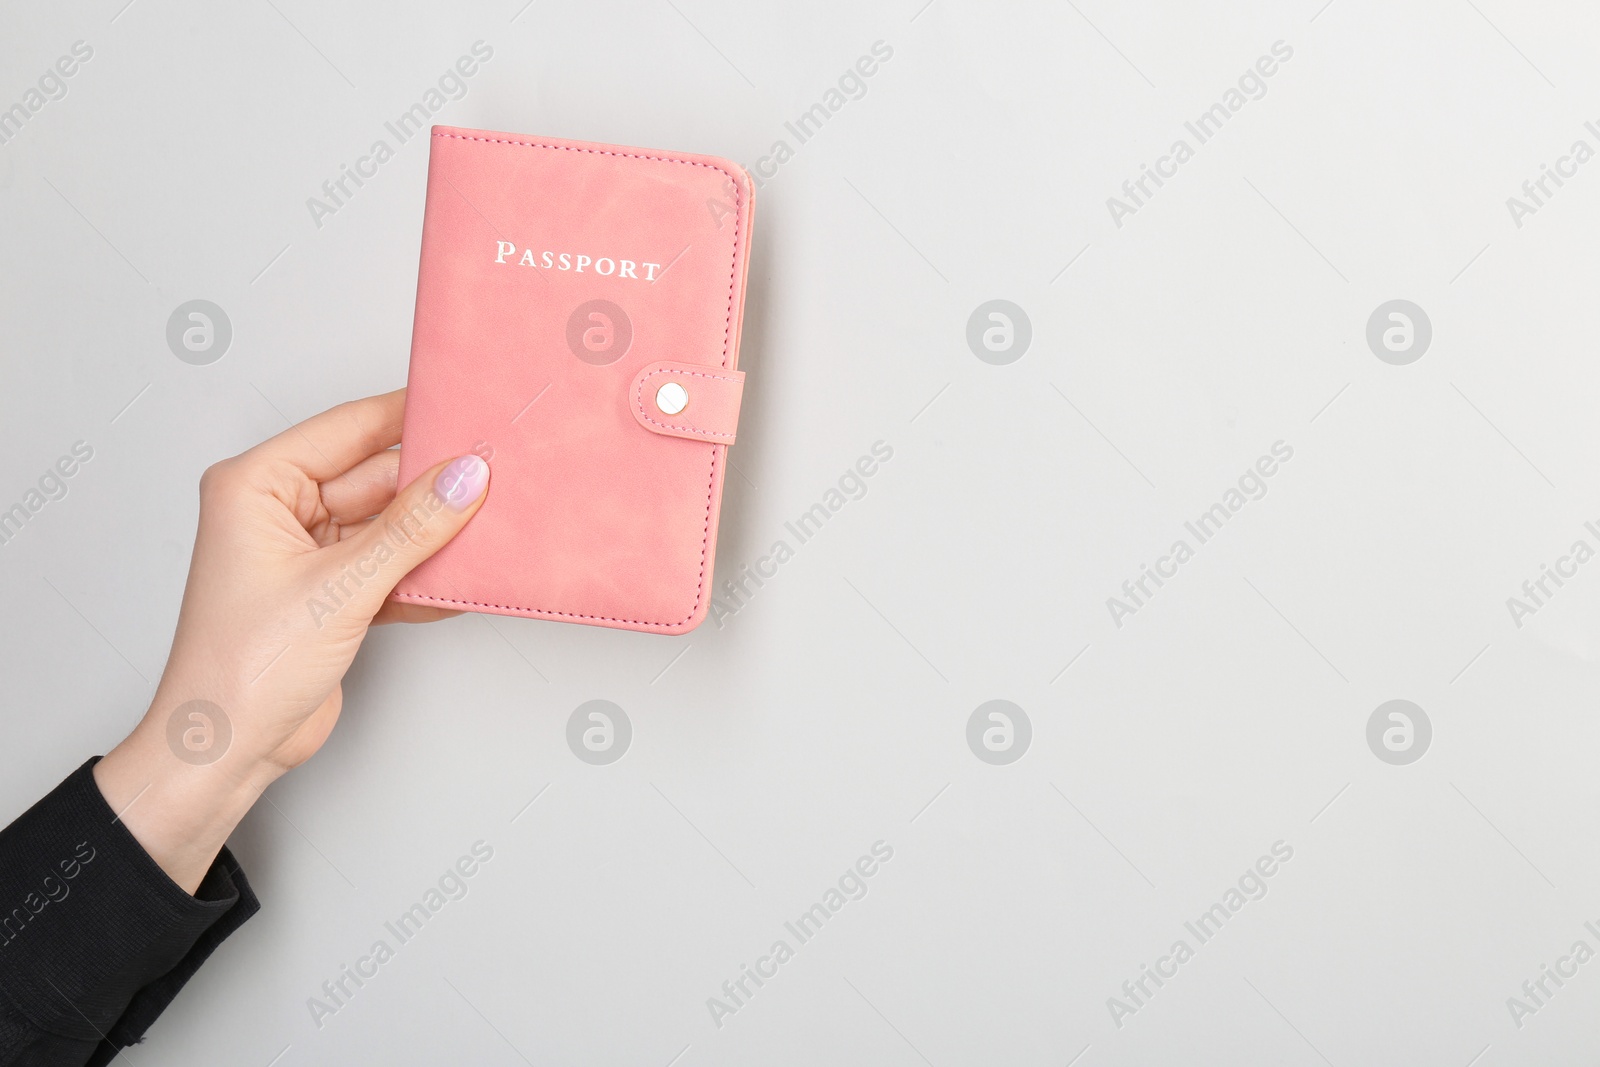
x: 672, y: 398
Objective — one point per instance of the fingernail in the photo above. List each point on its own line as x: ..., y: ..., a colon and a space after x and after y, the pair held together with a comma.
x: 462, y: 482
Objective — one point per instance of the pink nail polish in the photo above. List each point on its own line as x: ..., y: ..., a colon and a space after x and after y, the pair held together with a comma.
x: 462, y: 482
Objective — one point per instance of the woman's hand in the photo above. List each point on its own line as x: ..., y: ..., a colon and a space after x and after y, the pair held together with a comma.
x: 301, y: 540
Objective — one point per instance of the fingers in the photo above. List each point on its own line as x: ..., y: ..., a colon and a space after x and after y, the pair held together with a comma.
x: 397, y: 611
x: 354, y: 529
x: 326, y: 445
x: 421, y: 519
x: 363, y: 490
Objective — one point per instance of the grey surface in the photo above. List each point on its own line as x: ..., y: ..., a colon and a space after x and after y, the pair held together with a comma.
x: 831, y: 711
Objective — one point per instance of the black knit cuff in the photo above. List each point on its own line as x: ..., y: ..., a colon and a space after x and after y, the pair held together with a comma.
x: 95, y: 938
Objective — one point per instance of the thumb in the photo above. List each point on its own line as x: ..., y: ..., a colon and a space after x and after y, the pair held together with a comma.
x: 420, y: 520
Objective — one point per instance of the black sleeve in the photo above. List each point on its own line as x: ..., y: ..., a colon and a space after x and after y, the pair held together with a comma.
x: 95, y: 939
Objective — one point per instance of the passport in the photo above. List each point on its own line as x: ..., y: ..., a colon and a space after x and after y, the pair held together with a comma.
x: 577, y: 324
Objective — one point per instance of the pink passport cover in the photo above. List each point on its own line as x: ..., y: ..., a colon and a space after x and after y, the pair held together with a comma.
x: 625, y: 272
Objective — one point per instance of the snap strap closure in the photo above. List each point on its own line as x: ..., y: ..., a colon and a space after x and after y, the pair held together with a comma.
x: 688, y: 401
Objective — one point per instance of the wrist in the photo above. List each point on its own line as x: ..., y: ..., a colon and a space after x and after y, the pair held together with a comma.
x: 180, y: 810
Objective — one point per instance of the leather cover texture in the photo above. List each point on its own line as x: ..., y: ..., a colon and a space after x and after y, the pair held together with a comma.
x: 562, y: 285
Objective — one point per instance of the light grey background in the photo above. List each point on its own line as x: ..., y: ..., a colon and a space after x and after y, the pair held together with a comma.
x: 831, y: 711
